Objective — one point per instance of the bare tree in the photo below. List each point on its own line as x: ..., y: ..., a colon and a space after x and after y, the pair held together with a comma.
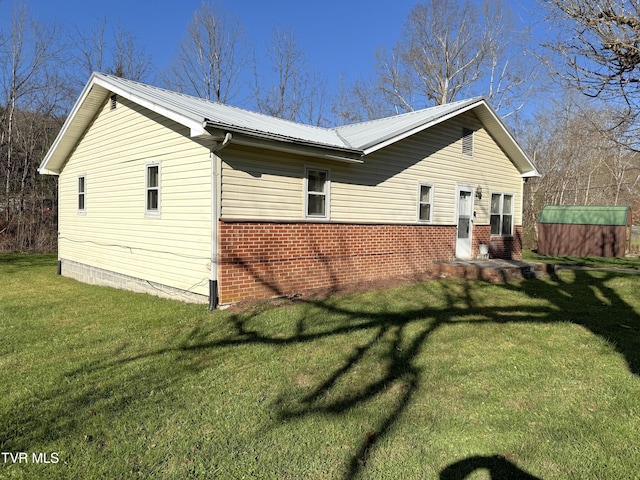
x: 121, y: 55
x: 29, y: 99
x: 129, y: 58
x: 578, y: 165
x: 623, y: 168
x: 358, y: 102
x: 453, y: 47
x: 395, y: 82
x: 212, y: 56
x: 298, y: 93
x: 91, y: 49
x: 599, y: 42
x: 513, y: 75
x: 599, y: 45
x: 24, y: 59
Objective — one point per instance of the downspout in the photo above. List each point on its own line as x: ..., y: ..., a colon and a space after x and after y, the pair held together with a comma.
x: 216, y: 168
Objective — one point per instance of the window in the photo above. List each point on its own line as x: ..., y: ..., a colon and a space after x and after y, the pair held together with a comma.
x: 425, y: 200
x: 82, y: 192
x: 467, y: 142
x: 501, y: 214
x: 317, y: 193
x: 153, y: 188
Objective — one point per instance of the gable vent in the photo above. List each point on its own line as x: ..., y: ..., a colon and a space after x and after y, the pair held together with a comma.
x: 114, y: 101
x: 467, y: 141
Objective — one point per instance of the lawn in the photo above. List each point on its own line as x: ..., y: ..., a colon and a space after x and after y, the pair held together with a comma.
x: 448, y: 379
x: 631, y: 262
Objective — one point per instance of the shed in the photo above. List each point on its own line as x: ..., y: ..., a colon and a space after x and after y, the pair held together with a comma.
x: 584, y: 230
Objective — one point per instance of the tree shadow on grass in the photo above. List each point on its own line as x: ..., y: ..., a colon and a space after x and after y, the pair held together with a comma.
x: 587, y: 298
x: 394, y: 335
x: 497, y: 466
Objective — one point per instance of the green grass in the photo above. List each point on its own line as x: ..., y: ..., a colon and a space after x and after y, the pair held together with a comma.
x: 436, y: 380
x: 595, y: 262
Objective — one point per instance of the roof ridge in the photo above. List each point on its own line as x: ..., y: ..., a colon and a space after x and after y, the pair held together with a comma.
x: 381, y: 119
x: 410, y: 113
x: 342, y: 139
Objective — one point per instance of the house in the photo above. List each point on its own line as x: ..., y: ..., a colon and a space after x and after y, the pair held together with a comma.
x: 584, y: 230
x: 174, y: 195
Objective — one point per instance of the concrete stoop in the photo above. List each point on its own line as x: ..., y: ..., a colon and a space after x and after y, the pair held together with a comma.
x: 493, y: 270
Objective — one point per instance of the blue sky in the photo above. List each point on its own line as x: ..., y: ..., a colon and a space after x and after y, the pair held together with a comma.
x: 339, y: 37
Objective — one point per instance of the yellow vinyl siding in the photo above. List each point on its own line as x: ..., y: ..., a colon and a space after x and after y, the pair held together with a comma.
x: 261, y: 186
x: 270, y: 186
x: 114, y: 233
x: 434, y: 157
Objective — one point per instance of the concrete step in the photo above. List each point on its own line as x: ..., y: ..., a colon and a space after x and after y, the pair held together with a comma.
x: 491, y: 270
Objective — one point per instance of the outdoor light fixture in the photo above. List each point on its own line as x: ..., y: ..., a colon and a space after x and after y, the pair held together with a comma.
x: 479, y: 192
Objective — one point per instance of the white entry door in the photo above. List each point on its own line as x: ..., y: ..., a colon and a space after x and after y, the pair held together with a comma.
x: 464, y: 222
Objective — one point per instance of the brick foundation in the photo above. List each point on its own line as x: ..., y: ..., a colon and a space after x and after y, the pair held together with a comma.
x: 259, y: 259
x: 508, y: 248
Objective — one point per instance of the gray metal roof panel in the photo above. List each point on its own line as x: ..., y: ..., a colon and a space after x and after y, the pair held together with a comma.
x: 198, y: 110
x: 196, y: 113
x: 376, y: 132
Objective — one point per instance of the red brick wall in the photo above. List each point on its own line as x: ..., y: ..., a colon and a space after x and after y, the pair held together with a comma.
x: 259, y: 259
x: 263, y: 259
x: 509, y: 248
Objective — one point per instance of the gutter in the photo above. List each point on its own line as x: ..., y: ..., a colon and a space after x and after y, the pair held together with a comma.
x: 216, y: 167
x: 281, y: 143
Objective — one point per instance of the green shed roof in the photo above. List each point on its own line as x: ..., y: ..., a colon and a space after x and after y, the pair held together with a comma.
x: 584, y: 215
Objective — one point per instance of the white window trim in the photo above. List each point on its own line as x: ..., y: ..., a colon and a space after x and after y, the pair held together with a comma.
x: 152, y: 212
x: 431, y: 188
x: 513, y: 206
x: 327, y: 193
x: 82, y: 211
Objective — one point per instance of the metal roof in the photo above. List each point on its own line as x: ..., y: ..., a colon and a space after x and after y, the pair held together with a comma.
x: 347, y: 143
x: 369, y: 135
x: 584, y: 214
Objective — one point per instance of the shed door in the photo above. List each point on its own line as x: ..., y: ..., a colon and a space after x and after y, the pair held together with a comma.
x: 464, y: 222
